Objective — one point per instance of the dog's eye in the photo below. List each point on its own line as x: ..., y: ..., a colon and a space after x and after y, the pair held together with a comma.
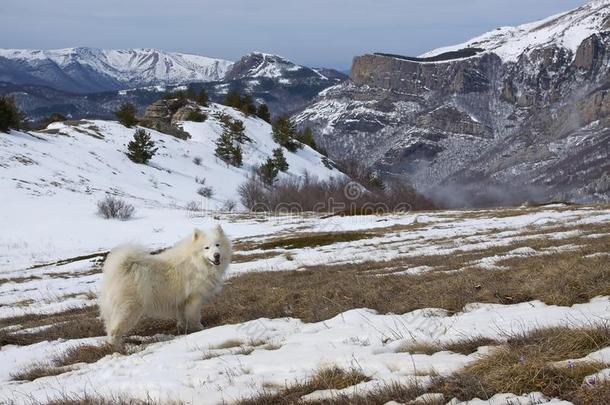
x: 207, y: 247
x: 218, y: 244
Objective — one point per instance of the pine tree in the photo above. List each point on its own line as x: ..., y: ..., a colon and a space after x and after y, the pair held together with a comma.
x: 262, y: 112
x: 142, y: 148
x: 227, y: 151
x: 202, y: 98
x: 233, y: 99
x: 279, y: 160
x: 268, y: 172
x: 127, y: 115
x: 238, y: 131
x: 306, y: 137
x: 10, y: 115
x: 247, y: 105
x: 284, y: 132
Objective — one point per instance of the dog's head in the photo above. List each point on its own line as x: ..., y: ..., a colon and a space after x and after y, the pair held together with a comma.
x: 213, y: 245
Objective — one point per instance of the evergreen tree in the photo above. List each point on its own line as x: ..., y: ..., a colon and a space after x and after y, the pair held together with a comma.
x: 279, y: 160
x: 142, y: 148
x: 262, y: 112
x: 10, y: 115
x: 306, y: 137
x: 268, y: 172
x: 238, y: 131
x: 127, y: 115
x: 233, y: 99
x: 247, y: 105
x: 284, y: 132
x: 227, y: 151
x: 190, y: 94
x: 202, y: 98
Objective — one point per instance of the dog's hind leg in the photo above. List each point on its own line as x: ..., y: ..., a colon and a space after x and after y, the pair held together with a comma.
x: 122, y: 322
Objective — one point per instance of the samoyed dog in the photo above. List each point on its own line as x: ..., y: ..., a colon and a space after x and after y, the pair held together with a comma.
x: 173, y: 284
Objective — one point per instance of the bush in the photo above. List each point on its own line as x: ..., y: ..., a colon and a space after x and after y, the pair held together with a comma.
x: 229, y: 206
x: 200, y: 180
x: 338, y: 196
x: 285, y: 132
x: 252, y: 194
x: 142, y: 148
x: 207, y: 192
x: 126, y: 115
x: 197, y: 160
x: 196, y: 116
x: 10, y: 115
x: 114, y: 207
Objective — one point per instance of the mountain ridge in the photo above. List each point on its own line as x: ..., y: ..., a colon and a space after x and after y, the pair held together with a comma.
x: 483, y: 129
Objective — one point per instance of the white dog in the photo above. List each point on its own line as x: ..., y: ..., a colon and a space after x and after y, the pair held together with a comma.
x: 173, y: 284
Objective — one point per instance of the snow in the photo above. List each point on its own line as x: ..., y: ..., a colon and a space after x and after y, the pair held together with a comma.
x: 132, y: 65
x: 358, y: 337
x: 566, y: 30
x: 51, y: 177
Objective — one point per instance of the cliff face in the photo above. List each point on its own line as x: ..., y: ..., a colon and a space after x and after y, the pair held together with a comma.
x: 509, y: 121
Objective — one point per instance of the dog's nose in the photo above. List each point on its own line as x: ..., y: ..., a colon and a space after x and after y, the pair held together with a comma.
x: 216, y: 256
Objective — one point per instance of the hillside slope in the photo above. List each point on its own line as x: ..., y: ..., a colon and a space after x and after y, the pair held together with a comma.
x: 53, y: 179
x: 517, y: 114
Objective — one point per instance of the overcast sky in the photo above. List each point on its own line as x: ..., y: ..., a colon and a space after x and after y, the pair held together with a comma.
x: 310, y: 32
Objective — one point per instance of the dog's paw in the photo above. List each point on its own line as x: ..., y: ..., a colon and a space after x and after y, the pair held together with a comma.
x: 195, y: 327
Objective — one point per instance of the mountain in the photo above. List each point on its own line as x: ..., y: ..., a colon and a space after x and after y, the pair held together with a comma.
x: 78, y: 162
x: 516, y: 114
x: 88, y: 82
x: 88, y: 70
x: 283, y: 85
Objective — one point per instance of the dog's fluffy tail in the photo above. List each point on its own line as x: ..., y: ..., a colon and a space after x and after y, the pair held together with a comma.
x: 116, y: 268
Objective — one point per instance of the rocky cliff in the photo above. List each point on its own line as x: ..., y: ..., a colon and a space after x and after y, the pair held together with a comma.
x: 517, y: 114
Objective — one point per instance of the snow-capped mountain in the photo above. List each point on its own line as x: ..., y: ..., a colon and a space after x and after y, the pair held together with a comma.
x: 566, y: 30
x: 283, y: 85
x: 515, y: 114
x: 86, y: 82
x: 85, y: 70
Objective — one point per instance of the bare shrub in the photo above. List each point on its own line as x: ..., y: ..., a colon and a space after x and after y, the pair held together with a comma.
x: 335, y: 195
x: 197, y: 160
x: 200, y: 180
x: 114, y: 207
x: 207, y: 192
x: 193, y: 206
x: 229, y: 206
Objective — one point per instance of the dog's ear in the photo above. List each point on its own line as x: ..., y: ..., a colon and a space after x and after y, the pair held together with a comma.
x: 197, y: 234
x: 218, y: 228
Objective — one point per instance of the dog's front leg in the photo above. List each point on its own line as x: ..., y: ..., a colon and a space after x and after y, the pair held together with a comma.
x: 192, y: 314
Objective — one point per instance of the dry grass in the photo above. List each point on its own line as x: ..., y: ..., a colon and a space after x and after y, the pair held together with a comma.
x: 323, y: 379
x: 314, y: 240
x: 525, y: 364
x: 467, y: 345
x: 87, y: 399
x: 62, y: 363
x: 321, y: 292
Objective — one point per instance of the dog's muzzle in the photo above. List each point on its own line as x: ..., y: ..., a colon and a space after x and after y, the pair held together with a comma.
x: 216, y: 261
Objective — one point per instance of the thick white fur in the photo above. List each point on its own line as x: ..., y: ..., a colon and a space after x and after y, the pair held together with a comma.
x: 173, y: 284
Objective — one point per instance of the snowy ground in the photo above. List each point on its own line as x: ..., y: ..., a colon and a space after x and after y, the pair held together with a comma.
x: 230, y: 362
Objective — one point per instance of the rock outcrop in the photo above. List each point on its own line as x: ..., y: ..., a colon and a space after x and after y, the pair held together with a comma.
x: 165, y: 114
x: 516, y: 114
